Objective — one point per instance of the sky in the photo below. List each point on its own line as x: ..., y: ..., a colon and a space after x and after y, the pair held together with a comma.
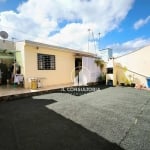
x: 86, y: 25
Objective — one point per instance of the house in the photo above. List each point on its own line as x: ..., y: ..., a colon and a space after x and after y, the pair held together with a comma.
x: 130, y: 68
x: 54, y: 65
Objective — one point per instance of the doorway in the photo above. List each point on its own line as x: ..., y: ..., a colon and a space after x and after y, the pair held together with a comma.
x: 5, y: 70
x: 78, y: 69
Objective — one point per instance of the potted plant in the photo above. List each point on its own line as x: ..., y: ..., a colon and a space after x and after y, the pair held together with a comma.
x: 100, y: 63
x: 101, y: 79
x: 133, y: 81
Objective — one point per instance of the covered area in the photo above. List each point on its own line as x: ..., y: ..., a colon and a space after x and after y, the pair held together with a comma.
x: 8, y: 65
x: 6, y: 60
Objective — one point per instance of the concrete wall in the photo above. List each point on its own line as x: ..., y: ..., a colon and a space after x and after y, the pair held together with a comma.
x: 91, y: 70
x: 20, y: 59
x: 133, y: 67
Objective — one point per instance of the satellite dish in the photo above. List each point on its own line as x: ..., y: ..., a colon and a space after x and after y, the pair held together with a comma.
x: 3, y: 34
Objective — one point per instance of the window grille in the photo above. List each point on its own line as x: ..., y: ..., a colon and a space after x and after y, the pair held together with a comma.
x: 46, y: 62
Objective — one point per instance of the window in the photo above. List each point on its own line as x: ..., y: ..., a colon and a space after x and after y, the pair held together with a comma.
x: 46, y: 62
x: 109, y: 70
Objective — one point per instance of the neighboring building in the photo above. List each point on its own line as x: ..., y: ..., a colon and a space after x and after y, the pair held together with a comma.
x: 7, y: 56
x: 54, y: 65
x: 105, y: 54
x: 7, y: 51
x: 130, y: 68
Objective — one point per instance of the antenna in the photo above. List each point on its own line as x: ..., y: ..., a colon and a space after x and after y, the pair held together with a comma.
x: 99, y: 39
x: 3, y: 35
x: 88, y: 38
x: 94, y: 41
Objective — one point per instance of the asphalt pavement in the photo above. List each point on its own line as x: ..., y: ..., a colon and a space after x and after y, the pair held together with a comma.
x: 109, y: 119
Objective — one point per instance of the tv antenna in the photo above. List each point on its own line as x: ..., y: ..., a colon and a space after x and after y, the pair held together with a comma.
x: 3, y: 35
x: 89, y: 30
x: 99, y: 34
x: 93, y: 39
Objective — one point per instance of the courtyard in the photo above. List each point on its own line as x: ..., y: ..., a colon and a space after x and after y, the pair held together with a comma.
x: 109, y: 118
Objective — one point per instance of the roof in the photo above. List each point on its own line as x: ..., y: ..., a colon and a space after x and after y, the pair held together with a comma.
x: 77, y: 52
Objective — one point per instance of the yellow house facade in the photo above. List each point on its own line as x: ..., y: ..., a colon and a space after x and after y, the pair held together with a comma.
x: 132, y: 67
x: 52, y: 65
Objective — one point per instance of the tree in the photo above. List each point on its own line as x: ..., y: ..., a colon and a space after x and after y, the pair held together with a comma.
x: 100, y: 63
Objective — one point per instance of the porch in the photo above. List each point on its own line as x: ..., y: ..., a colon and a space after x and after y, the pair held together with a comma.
x: 8, y: 92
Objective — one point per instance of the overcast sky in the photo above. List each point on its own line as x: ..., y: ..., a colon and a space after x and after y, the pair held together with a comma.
x: 123, y: 24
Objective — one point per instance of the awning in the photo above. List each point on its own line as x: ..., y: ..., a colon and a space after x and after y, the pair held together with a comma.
x: 7, y: 57
x: 7, y: 51
x: 6, y: 54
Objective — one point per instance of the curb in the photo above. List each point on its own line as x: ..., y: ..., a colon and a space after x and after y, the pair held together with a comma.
x: 24, y: 95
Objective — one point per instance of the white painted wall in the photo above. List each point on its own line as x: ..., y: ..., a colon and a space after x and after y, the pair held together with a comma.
x: 89, y: 73
x: 137, y: 64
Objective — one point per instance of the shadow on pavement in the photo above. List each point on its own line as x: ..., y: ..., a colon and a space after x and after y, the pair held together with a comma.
x: 28, y: 124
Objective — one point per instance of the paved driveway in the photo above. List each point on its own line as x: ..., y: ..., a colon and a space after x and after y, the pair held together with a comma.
x: 113, y: 118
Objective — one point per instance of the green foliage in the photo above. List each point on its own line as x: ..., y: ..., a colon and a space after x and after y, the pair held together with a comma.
x: 101, y: 78
x: 100, y: 63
